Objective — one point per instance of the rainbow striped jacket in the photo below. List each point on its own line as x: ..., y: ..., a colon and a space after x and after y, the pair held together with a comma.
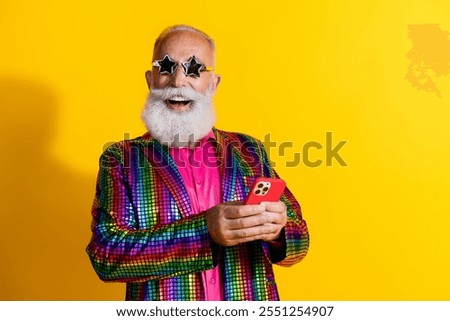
x: 145, y: 234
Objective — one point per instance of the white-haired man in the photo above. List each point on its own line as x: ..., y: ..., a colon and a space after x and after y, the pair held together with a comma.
x: 168, y: 216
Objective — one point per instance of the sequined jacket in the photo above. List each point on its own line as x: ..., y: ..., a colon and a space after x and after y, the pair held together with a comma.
x: 144, y: 233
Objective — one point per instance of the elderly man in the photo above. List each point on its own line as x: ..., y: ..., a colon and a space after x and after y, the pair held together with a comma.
x: 168, y: 216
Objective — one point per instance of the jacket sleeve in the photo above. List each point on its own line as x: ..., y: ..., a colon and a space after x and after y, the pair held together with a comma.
x: 121, y: 251
x: 295, y: 237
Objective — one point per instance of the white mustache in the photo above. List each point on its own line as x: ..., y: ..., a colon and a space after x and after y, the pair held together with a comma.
x: 186, y: 93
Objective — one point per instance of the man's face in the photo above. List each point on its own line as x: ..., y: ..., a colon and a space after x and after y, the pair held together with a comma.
x: 180, y: 47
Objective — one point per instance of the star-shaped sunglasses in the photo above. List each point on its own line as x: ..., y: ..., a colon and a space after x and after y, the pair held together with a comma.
x: 192, y: 67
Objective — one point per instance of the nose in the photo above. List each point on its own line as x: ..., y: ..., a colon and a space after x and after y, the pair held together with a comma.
x: 178, y: 79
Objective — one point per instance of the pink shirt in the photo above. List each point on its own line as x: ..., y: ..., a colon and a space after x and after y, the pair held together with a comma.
x: 200, y: 174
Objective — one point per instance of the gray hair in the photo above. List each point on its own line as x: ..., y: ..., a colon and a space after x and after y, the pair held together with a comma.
x: 166, y: 32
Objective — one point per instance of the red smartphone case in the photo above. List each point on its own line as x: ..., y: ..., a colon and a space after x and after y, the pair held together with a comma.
x: 266, y: 190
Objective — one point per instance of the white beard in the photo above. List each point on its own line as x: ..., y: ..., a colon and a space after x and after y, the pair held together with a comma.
x: 178, y: 128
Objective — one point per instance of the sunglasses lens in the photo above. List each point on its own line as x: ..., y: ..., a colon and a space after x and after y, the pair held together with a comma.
x: 192, y: 67
x: 166, y: 65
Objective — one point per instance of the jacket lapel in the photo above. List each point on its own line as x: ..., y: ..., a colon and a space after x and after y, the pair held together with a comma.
x: 227, y: 168
x: 163, y: 164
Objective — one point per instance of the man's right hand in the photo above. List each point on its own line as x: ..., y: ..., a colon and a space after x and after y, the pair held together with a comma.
x: 232, y: 223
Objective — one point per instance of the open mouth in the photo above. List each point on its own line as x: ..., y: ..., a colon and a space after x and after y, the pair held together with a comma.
x: 178, y: 103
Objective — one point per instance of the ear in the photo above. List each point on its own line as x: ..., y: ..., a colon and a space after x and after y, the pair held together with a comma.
x: 149, y: 78
x: 216, y: 81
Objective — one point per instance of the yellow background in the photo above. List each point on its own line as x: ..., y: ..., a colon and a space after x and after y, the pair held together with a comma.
x: 72, y: 80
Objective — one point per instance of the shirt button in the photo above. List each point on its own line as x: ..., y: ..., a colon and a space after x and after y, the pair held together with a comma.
x: 212, y: 281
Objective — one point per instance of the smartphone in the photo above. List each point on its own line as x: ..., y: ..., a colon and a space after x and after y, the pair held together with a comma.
x: 266, y: 190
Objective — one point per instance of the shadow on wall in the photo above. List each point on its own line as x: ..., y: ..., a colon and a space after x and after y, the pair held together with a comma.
x: 45, y: 214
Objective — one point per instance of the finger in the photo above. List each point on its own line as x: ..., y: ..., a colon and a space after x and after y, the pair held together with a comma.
x: 277, y: 207
x: 256, y: 220
x: 238, y: 211
x: 253, y: 233
x: 250, y: 221
x: 274, y: 217
x: 276, y: 228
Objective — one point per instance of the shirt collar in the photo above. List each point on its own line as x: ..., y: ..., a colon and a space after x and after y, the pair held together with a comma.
x: 208, y: 137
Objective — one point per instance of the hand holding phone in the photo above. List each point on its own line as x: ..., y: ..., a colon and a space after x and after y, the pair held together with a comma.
x: 266, y: 190
x: 248, y: 223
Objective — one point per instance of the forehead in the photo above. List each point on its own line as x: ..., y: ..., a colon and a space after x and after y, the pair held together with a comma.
x: 182, y: 45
